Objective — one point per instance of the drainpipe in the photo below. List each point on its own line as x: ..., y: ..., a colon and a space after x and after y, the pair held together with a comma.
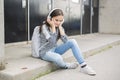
x: 28, y: 20
x: 81, y: 15
x: 2, y: 59
x: 91, y: 15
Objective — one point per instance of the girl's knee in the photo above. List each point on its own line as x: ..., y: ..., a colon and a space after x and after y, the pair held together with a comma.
x: 72, y: 42
x: 58, y: 57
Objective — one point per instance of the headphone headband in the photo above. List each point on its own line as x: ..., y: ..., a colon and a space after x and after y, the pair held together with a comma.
x: 52, y: 11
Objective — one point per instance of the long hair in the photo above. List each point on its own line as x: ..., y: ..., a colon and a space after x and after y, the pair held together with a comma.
x: 51, y: 14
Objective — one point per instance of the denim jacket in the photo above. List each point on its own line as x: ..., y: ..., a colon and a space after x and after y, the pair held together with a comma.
x: 45, y: 40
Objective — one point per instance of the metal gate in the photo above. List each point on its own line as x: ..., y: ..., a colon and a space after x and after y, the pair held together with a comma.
x: 21, y: 16
x: 15, y: 21
x: 90, y: 16
x: 38, y: 12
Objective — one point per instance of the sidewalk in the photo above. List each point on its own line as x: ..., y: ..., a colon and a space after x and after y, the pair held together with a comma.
x: 21, y: 66
x: 106, y: 64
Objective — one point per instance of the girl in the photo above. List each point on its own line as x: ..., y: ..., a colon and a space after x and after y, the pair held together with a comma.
x: 44, y: 43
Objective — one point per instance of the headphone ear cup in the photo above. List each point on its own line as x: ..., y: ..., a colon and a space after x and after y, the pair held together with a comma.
x: 49, y: 17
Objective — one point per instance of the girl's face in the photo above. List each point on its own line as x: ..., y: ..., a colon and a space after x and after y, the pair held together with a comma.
x: 58, y: 20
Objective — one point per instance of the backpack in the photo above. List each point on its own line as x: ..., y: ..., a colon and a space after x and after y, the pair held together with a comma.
x: 36, y: 41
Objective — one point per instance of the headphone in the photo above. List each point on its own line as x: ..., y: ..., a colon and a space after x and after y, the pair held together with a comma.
x: 52, y: 11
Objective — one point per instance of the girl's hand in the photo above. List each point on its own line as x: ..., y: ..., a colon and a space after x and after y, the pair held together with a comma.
x: 50, y: 21
x: 61, y: 30
x: 52, y: 25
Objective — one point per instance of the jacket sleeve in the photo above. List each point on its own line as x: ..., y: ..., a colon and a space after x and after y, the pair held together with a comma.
x: 64, y: 38
x: 51, y: 37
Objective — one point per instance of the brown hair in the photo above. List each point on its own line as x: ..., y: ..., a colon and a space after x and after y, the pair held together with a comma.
x: 53, y: 13
x: 56, y: 12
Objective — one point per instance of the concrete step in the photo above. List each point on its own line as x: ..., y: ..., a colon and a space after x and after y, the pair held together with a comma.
x: 106, y: 64
x: 21, y: 66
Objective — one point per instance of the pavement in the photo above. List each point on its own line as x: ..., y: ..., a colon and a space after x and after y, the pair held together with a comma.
x: 21, y: 66
x: 106, y: 64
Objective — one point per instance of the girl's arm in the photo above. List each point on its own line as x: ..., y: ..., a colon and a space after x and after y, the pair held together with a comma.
x: 64, y: 37
x: 51, y: 38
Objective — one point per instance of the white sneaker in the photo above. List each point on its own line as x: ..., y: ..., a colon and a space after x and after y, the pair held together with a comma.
x: 72, y: 65
x: 88, y: 70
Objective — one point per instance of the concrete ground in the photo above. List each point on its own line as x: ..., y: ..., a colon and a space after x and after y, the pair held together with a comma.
x: 21, y: 66
x: 106, y: 64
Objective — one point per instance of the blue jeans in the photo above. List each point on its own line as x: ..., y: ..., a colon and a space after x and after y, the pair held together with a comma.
x: 54, y: 55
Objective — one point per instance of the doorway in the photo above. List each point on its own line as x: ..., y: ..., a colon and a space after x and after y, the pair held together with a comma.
x: 15, y: 20
x: 21, y: 17
x: 90, y: 16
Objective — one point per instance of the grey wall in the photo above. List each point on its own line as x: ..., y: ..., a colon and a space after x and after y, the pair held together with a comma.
x: 109, y: 16
x: 2, y: 62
